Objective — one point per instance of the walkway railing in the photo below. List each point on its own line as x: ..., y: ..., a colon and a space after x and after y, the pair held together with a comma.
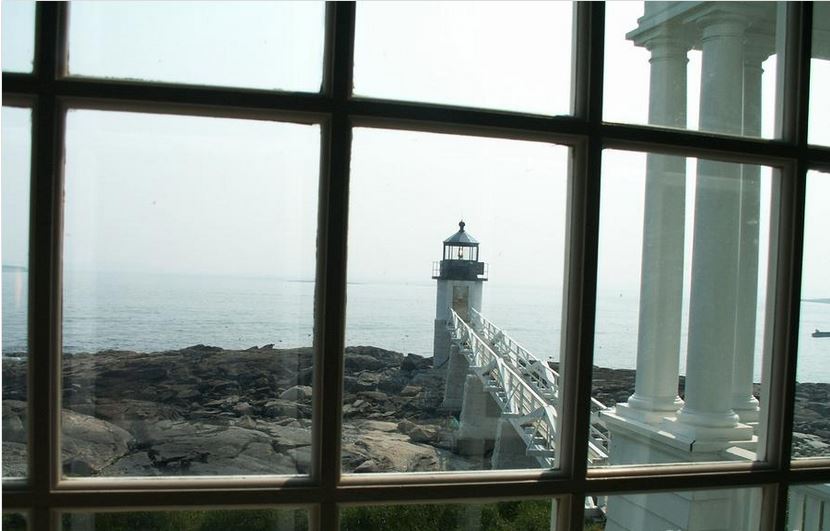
x: 545, y: 379
x: 526, y: 388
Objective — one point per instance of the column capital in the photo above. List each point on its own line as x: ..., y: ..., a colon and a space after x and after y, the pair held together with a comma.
x: 757, y: 48
x: 689, y: 22
x: 668, y: 46
x: 671, y: 38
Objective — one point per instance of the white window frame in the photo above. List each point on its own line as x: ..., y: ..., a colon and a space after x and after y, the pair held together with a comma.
x: 49, y: 93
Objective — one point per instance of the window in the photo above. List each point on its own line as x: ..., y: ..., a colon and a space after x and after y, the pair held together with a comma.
x: 705, y: 233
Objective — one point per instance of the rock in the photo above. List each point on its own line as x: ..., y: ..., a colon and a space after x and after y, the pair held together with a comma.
x: 302, y: 458
x: 14, y: 422
x: 376, y: 396
x: 413, y: 362
x: 378, y: 425
x: 203, y: 348
x: 196, y: 448
x: 367, y: 381
x: 90, y: 444
x: 14, y: 459
x: 243, y: 408
x: 362, y: 362
x: 283, y: 408
x: 366, y: 467
x: 394, y: 452
x: 423, y: 434
x: 246, y: 422
x: 405, y: 426
x: 298, y: 392
x: 410, y: 390
x: 286, y: 438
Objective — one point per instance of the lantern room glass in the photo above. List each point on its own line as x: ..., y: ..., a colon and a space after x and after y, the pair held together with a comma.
x: 461, y: 252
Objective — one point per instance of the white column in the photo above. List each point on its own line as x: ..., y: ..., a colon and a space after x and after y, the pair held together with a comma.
x: 709, y: 364
x: 661, y: 277
x: 743, y: 401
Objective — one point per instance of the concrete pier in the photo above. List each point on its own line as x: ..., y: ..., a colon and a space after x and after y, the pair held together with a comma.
x: 479, y: 421
x: 457, y: 370
x: 510, y: 449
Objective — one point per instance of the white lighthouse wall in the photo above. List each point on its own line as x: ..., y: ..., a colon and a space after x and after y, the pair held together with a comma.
x: 443, y: 298
x: 443, y: 303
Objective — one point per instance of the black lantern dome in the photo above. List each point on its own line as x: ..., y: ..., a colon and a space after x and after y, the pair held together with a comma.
x: 460, y: 258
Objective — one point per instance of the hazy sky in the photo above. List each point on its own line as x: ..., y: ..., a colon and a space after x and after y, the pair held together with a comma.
x: 200, y: 195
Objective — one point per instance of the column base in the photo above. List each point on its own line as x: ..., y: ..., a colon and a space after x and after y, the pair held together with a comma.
x: 746, y: 407
x: 649, y: 410
x: 695, y: 430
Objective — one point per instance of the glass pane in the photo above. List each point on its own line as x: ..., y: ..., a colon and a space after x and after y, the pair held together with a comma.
x: 453, y: 367
x: 676, y: 511
x: 264, y: 45
x: 525, y: 515
x: 811, y: 425
x: 189, y: 262
x: 701, y: 66
x: 218, y: 520
x: 14, y: 193
x: 18, y: 30
x: 680, y: 319
x: 14, y: 522
x: 514, y: 56
x: 819, y: 131
x: 809, y: 507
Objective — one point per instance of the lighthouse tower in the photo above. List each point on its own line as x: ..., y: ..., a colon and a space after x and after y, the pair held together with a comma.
x: 460, y: 278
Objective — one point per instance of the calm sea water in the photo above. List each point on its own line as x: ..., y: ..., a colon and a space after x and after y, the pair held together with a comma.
x: 146, y: 312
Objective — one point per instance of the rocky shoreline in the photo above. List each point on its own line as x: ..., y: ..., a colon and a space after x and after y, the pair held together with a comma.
x: 204, y: 410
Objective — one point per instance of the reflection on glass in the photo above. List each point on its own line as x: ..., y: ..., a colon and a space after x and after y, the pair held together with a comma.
x: 16, y: 174
x: 681, y: 293
x: 676, y: 511
x: 819, y: 131
x: 701, y: 66
x: 811, y: 425
x: 264, y: 45
x: 453, y: 367
x: 809, y: 507
x: 18, y: 35
x: 14, y: 522
x: 519, y: 515
x: 189, y: 259
x: 514, y: 56
x: 217, y: 520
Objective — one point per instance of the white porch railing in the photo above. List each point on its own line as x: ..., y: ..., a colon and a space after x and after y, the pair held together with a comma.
x: 809, y: 508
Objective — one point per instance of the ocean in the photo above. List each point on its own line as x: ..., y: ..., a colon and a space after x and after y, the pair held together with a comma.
x: 155, y: 312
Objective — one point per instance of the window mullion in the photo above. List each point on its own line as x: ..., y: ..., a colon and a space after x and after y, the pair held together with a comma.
x: 795, y: 92
x: 44, y: 260
x: 582, y: 236
x: 333, y: 221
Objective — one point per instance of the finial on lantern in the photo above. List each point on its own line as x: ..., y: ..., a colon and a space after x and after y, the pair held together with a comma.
x: 461, y: 225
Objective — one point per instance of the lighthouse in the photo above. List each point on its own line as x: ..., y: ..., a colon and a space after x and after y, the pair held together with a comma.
x: 460, y: 277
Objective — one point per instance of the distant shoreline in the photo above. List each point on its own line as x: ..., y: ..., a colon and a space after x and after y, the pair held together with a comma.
x: 617, y: 377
